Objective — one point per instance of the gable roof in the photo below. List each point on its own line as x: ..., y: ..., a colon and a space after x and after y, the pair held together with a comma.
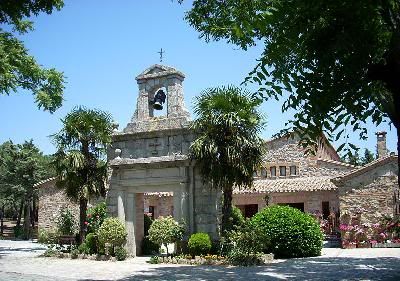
x: 364, y: 169
x: 158, y: 70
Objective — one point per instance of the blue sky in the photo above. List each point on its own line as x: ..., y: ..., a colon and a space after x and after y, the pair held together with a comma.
x: 101, y: 48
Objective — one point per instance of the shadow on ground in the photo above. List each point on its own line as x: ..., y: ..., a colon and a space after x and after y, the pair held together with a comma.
x: 320, y: 269
x: 5, y: 251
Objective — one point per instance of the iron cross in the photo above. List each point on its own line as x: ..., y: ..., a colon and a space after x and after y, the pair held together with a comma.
x: 161, y: 52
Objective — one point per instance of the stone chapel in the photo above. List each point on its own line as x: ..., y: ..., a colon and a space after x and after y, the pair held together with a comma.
x: 150, y: 172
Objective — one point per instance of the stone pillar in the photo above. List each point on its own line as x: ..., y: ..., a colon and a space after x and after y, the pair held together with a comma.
x: 130, y: 223
x: 121, y: 205
x: 181, y: 206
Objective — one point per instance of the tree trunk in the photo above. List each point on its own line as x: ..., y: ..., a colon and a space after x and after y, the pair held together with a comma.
x: 21, y: 208
x: 33, y: 213
x: 27, y: 221
x: 2, y: 220
x: 82, y: 219
x: 226, y: 210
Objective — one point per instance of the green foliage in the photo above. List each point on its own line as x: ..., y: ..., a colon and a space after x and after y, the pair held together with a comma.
x: 66, y: 222
x: 113, y: 232
x: 333, y: 67
x: 368, y: 157
x: 148, y: 247
x: 74, y: 253
x: 147, y: 223
x: 18, y: 231
x: 91, y: 243
x: 84, y: 249
x: 121, y: 253
x: 47, y: 237
x: 227, y: 148
x: 237, y: 217
x: 291, y: 232
x: 50, y: 252
x: 165, y: 230
x: 95, y: 217
x: 79, y: 160
x: 199, y: 244
x: 247, y: 244
x: 19, y: 70
x: 155, y: 260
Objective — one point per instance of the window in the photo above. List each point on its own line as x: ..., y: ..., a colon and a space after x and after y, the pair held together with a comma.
x: 293, y: 170
x: 282, y: 171
x: 273, y: 171
x: 263, y: 173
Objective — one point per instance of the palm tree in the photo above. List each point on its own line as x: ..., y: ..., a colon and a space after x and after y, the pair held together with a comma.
x: 80, y: 159
x: 227, y: 148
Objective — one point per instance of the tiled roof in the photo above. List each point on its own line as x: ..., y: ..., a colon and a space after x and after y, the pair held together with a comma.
x: 288, y: 185
x: 370, y: 166
x: 44, y: 181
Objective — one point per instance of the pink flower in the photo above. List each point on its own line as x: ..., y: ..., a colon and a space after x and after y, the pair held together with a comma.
x: 86, y: 223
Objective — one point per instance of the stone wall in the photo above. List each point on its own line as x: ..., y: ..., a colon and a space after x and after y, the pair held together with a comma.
x: 371, y: 192
x: 286, y: 152
x: 51, y: 201
x: 163, y: 204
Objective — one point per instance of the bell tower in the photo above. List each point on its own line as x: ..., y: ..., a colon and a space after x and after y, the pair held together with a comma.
x: 160, y: 87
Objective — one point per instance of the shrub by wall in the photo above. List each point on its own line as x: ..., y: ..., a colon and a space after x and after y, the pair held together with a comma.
x: 112, y: 231
x: 199, y: 244
x: 291, y: 232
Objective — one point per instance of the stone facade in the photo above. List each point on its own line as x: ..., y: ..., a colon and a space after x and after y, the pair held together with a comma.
x: 370, y: 190
x: 51, y: 201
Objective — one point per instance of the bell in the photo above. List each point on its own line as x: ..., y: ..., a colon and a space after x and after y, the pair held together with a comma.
x: 159, y: 99
x: 157, y: 105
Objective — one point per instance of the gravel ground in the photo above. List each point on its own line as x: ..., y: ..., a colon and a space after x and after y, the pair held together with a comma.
x: 19, y: 261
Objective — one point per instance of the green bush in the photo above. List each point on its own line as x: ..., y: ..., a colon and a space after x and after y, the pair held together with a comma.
x: 66, y: 222
x: 165, y: 230
x: 91, y: 243
x: 95, y: 217
x: 74, y: 253
x: 113, y: 232
x: 246, y: 245
x: 84, y: 249
x: 148, y: 247
x: 291, y: 232
x: 237, y: 218
x: 47, y: 237
x: 120, y: 253
x: 147, y: 223
x: 199, y: 244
